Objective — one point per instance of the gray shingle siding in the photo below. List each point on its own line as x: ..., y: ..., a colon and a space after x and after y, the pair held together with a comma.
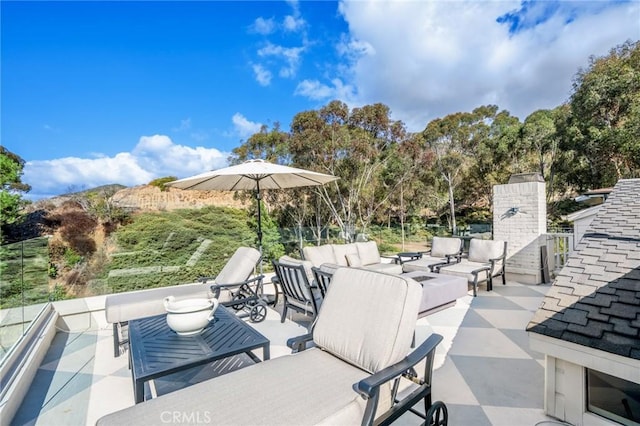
x: 595, y: 300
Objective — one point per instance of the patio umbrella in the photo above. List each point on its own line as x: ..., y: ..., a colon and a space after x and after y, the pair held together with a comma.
x: 254, y: 175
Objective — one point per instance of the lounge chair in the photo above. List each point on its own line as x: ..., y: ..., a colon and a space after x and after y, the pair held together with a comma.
x: 484, y: 261
x: 122, y: 307
x: 443, y: 250
x: 359, y: 346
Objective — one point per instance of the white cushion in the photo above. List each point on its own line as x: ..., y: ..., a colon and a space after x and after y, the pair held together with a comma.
x: 341, y: 251
x: 389, y: 268
x: 122, y: 307
x: 442, y: 246
x: 464, y: 268
x: 368, y: 252
x: 308, y: 388
x: 484, y: 250
x: 239, y: 267
x: 354, y: 260
x: 319, y: 254
x: 377, y: 328
x: 288, y: 260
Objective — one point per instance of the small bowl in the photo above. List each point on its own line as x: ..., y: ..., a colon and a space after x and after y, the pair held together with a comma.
x: 189, y: 317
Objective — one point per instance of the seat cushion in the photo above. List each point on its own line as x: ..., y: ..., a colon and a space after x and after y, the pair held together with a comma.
x: 368, y: 318
x: 423, y: 264
x: 308, y: 388
x: 389, y: 268
x: 443, y: 246
x: 464, y: 268
x: 122, y: 307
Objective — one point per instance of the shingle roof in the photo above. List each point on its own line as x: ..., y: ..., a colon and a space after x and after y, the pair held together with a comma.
x: 595, y: 300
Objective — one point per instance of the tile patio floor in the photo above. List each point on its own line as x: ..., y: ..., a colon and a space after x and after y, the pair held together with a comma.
x: 484, y: 369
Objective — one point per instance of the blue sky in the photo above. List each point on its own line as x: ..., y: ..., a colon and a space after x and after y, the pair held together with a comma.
x: 125, y: 92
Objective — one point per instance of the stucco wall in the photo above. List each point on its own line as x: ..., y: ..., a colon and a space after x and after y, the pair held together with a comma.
x: 521, y: 228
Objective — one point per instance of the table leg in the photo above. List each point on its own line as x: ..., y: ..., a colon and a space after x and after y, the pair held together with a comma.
x: 266, y: 352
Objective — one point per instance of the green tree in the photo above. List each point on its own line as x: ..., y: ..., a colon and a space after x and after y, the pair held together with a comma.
x: 11, y: 201
x: 355, y: 145
x: 604, y: 126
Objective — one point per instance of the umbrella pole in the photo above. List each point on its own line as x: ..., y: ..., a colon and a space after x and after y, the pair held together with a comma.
x: 258, y: 197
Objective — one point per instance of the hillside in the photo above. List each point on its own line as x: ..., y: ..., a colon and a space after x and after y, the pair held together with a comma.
x: 151, y: 198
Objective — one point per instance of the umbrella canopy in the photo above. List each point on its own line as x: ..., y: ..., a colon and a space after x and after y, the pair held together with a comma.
x: 253, y: 175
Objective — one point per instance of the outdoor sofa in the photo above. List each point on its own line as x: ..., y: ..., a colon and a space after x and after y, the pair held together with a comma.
x: 356, y: 255
x: 339, y: 374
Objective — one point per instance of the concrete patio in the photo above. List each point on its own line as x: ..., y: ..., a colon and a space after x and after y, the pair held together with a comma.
x: 484, y: 369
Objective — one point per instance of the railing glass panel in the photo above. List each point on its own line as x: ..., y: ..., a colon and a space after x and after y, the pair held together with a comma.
x: 24, y: 288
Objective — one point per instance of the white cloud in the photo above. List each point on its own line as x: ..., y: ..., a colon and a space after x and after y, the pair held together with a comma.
x: 290, y: 55
x: 293, y: 23
x: 263, y: 26
x: 317, y: 91
x: 428, y: 59
x: 263, y: 75
x: 184, y: 125
x: 244, y: 127
x: 153, y: 157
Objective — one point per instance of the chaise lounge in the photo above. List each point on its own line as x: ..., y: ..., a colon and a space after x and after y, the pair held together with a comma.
x: 121, y: 308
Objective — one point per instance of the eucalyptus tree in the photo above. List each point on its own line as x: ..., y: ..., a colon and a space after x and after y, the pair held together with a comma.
x: 493, y: 135
x: 355, y: 145
x: 603, y: 129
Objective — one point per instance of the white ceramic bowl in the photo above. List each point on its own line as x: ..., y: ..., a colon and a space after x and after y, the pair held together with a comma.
x: 189, y: 316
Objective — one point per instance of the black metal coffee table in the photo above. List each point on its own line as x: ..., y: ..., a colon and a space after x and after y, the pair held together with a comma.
x: 156, y: 351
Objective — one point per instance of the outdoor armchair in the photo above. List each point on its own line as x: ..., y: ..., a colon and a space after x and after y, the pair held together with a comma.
x: 344, y: 373
x: 297, y: 284
x: 484, y: 261
x: 443, y: 250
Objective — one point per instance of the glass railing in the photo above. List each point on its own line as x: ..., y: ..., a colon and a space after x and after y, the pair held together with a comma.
x: 24, y: 288
x: 157, y: 257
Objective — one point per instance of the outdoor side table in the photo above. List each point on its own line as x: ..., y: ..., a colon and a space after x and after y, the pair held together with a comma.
x: 156, y: 351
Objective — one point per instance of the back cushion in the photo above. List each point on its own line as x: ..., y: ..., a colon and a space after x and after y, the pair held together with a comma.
x: 287, y: 260
x: 368, y: 318
x: 341, y: 251
x: 239, y: 267
x: 319, y: 254
x: 484, y: 250
x: 368, y: 252
x: 442, y: 246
